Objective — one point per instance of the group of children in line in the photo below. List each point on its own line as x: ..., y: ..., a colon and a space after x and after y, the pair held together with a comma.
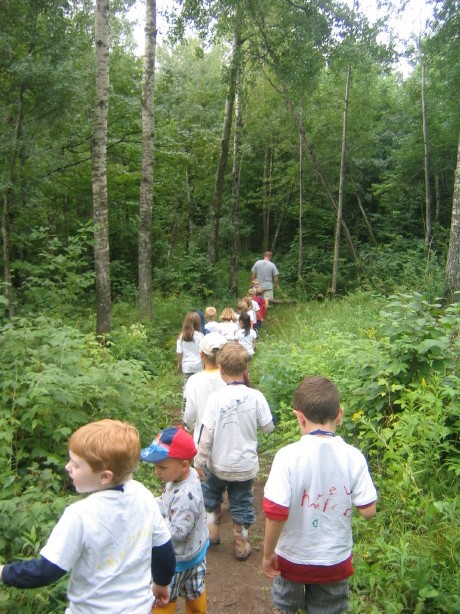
x: 241, y: 325
x: 120, y: 538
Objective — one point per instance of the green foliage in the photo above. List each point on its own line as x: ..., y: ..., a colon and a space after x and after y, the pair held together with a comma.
x: 59, y: 280
x: 395, y: 362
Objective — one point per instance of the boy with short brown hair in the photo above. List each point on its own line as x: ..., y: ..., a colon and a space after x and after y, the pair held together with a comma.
x: 112, y: 541
x: 309, y: 495
x: 227, y: 452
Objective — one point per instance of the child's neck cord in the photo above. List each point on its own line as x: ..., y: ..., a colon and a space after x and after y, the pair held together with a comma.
x: 320, y: 432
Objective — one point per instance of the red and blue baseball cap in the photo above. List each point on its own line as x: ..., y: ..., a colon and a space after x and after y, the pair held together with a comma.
x: 172, y: 442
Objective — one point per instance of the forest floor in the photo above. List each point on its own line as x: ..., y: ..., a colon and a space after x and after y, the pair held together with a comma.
x: 237, y: 587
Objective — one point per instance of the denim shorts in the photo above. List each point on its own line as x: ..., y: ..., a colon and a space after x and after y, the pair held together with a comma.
x: 289, y: 597
x: 240, y: 498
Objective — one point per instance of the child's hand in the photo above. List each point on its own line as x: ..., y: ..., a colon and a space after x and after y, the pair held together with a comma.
x: 161, y: 594
x: 270, y: 566
x: 201, y: 474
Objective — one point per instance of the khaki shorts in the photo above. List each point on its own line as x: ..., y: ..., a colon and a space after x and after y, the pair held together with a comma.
x: 268, y: 294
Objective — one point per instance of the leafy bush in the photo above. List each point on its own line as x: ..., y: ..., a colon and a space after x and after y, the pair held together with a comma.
x: 58, y: 282
x: 395, y: 362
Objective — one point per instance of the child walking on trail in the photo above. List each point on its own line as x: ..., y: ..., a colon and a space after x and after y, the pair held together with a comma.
x: 113, y: 541
x: 188, y: 346
x: 211, y: 326
x: 246, y: 335
x: 309, y: 495
x: 200, y: 385
x: 259, y: 298
x: 182, y: 506
x: 228, y: 323
x: 227, y: 453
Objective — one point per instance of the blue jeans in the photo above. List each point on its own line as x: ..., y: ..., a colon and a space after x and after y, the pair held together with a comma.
x: 240, y: 498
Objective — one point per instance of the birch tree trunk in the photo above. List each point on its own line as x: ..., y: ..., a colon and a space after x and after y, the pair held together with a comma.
x: 147, y: 170
x: 428, y: 225
x: 266, y: 194
x: 236, y: 176
x: 366, y: 221
x: 283, y: 90
x: 453, y: 255
x: 99, y: 172
x: 339, y: 220
x: 225, y: 143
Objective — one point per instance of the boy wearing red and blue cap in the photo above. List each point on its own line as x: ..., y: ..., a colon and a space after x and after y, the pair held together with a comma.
x: 182, y: 506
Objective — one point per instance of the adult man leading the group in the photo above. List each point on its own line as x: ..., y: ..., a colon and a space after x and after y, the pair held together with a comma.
x: 267, y: 274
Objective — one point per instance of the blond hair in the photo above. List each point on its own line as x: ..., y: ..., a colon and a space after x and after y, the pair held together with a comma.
x: 228, y: 315
x: 108, y: 444
x: 210, y: 312
x: 233, y: 358
x: 242, y: 306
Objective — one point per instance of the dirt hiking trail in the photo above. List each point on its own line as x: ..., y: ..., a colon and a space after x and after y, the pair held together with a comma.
x: 237, y: 587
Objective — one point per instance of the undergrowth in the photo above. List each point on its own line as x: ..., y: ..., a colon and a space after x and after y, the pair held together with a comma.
x: 395, y: 361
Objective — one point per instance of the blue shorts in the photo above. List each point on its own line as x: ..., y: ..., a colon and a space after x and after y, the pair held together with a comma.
x: 289, y: 597
x: 240, y: 498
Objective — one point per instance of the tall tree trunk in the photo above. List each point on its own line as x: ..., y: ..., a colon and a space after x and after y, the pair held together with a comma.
x: 99, y: 172
x: 453, y: 255
x: 366, y: 221
x: 146, y: 192
x: 236, y: 176
x: 338, y: 226
x: 283, y: 90
x: 190, y: 206
x: 280, y: 221
x: 269, y: 156
x: 225, y: 143
x: 300, y: 259
x: 7, y: 199
x: 437, y: 199
x: 428, y: 226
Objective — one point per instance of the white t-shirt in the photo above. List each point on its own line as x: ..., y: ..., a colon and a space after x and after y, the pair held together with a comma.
x: 212, y: 326
x: 190, y: 350
x: 196, y: 393
x: 105, y: 540
x: 246, y: 340
x: 234, y: 413
x: 228, y: 329
x: 253, y: 311
x: 319, y: 479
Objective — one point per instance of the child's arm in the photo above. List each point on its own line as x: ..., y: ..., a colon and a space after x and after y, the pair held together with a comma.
x: 31, y: 574
x: 163, y: 569
x: 273, y: 530
x: 179, y: 363
x: 369, y: 511
x: 204, y: 448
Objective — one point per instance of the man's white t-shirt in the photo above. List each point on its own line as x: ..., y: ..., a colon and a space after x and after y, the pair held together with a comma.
x: 319, y: 479
x: 196, y: 394
x: 234, y: 413
x: 105, y: 541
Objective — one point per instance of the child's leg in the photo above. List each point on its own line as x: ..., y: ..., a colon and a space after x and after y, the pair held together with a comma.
x: 213, y: 490
x: 241, y: 500
x: 331, y: 598
x: 195, y: 590
x: 288, y: 597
